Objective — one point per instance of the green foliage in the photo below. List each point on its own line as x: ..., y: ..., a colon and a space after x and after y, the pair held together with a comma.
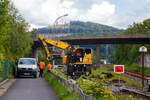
x: 126, y: 54
x: 129, y: 54
x: 15, y: 40
x: 95, y: 84
x: 79, y: 28
x: 139, y: 28
x: 95, y: 87
x: 129, y: 82
x: 58, y: 61
x: 125, y: 97
x: 60, y: 73
x: 61, y: 91
x: 3, y: 26
x: 18, y: 41
x: 34, y: 33
x: 41, y: 55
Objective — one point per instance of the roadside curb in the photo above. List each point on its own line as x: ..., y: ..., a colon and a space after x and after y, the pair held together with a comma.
x: 3, y: 82
x: 5, y: 85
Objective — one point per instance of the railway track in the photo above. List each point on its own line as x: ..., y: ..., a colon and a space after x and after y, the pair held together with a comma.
x: 137, y: 75
x: 136, y: 91
x: 131, y: 73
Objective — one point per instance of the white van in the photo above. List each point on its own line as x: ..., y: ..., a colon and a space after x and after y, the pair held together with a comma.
x: 27, y: 67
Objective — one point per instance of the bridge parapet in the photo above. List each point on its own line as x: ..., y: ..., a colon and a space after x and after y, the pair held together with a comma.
x: 86, y: 40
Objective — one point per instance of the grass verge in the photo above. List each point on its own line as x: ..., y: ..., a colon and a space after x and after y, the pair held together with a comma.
x: 135, y: 68
x: 128, y: 81
x: 62, y: 92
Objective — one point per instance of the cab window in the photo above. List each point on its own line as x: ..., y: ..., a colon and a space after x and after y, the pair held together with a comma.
x: 87, y: 51
x: 27, y: 61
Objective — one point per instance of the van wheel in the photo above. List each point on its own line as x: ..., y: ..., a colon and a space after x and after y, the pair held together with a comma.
x: 18, y: 76
x: 35, y: 76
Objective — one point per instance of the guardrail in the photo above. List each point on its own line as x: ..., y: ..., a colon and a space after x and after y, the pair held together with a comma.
x: 74, y: 87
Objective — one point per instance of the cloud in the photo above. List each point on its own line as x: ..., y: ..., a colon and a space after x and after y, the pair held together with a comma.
x: 67, y: 4
x: 100, y: 13
x: 32, y: 26
x: 40, y: 13
x: 44, y: 12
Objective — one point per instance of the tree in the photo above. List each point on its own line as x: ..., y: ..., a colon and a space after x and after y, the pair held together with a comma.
x: 15, y: 40
x: 128, y: 54
x: 3, y: 25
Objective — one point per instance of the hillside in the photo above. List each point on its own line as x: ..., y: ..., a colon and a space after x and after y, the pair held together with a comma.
x: 78, y: 28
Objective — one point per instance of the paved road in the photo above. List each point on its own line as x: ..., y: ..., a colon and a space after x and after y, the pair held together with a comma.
x: 30, y: 89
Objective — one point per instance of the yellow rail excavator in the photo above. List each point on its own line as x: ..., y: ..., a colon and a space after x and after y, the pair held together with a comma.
x: 78, y: 60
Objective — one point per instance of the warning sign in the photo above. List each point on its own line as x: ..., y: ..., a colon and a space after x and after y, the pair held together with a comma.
x: 119, y: 68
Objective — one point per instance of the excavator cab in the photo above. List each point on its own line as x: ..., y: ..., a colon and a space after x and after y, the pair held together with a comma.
x: 79, y: 54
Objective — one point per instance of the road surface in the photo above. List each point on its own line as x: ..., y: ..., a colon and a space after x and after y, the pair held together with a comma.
x: 30, y: 89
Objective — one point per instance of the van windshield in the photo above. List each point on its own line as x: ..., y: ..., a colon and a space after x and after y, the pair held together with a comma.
x: 27, y: 61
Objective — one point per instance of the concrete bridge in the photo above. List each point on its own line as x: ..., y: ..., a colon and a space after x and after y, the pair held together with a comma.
x: 97, y: 40
x: 86, y: 40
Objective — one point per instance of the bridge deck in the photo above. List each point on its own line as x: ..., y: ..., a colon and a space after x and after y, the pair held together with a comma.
x: 86, y: 40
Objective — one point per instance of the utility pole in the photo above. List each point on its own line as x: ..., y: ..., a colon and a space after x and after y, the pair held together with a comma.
x: 142, y: 70
x: 143, y: 49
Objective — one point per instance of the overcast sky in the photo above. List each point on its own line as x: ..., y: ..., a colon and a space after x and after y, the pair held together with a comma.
x: 117, y: 13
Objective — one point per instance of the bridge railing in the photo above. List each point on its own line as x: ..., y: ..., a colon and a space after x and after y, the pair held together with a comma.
x: 75, y: 88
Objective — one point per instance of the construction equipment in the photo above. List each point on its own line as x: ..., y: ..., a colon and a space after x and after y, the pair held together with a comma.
x: 78, y: 60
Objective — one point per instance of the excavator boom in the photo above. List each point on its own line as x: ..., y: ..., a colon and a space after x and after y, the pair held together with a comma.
x: 44, y: 44
x: 59, y: 44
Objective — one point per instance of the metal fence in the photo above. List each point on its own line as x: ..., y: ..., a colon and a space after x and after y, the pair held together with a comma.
x: 5, y: 70
x: 75, y: 88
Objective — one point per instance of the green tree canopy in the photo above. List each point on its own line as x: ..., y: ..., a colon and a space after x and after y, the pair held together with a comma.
x: 128, y: 54
x: 15, y: 39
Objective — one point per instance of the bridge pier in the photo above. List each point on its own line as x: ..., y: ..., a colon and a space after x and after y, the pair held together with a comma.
x: 34, y: 52
x: 97, y: 55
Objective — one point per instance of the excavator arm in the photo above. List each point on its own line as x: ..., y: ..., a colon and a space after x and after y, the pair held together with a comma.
x: 59, y: 44
x: 44, y: 44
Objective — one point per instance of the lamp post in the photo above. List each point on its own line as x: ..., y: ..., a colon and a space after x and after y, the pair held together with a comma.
x: 143, y: 49
x: 55, y: 24
x: 56, y: 21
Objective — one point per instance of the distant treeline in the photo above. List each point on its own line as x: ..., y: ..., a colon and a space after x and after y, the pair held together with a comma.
x: 78, y: 28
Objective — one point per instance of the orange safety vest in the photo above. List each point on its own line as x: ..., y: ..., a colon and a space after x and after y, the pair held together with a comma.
x: 42, y: 65
x: 49, y: 67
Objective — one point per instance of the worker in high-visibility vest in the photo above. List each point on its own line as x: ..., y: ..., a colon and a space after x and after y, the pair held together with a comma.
x: 49, y: 67
x: 42, y: 65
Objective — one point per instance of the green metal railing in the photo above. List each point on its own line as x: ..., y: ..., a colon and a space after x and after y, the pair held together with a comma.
x: 5, y: 70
